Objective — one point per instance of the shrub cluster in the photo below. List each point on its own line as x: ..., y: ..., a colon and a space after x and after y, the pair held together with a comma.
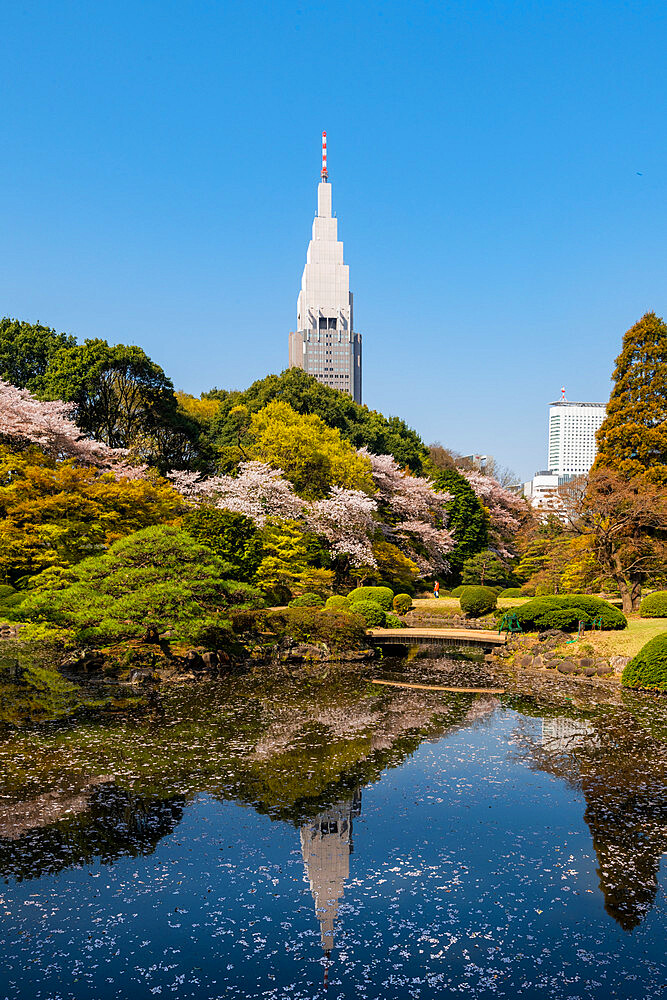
x: 457, y: 591
x: 338, y: 630
x: 566, y: 612
x: 307, y: 601
x: 402, y: 604
x: 512, y: 592
x: 383, y: 596
x: 648, y: 669
x: 393, y: 621
x: 372, y: 613
x: 655, y: 605
x: 477, y: 601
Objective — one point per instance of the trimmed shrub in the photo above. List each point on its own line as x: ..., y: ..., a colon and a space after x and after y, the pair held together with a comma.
x: 655, y: 605
x: 393, y: 621
x: 337, y: 603
x: 380, y: 595
x: 371, y: 612
x: 307, y: 601
x: 566, y: 612
x: 477, y: 601
x: 6, y: 590
x: 338, y: 630
x: 512, y: 592
x: 648, y: 669
x: 528, y: 590
x: 457, y: 591
x: 402, y: 604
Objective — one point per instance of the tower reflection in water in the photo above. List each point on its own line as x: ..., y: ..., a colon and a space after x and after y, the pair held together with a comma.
x: 326, y: 845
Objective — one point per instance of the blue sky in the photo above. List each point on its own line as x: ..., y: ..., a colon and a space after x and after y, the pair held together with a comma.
x: 498, y: 171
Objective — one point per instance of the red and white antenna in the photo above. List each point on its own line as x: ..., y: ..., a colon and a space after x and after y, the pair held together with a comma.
x: 325, y: 176
x: 562, y: 395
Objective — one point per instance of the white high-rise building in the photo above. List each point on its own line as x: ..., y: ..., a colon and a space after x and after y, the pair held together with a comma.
x: 325, y: 344
x: 572, y: 429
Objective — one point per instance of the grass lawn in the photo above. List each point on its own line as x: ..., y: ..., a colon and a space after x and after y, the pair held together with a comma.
x: 629, y: 641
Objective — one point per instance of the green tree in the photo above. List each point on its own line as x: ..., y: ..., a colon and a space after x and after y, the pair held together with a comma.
x: 26, y: 349
x: 357, y: 424
x: 233, y: 537
x: 467, y: 518
x: 155, y: 579
x: 121, y: 396
x: 284, y: 559
x: 484, y: 568
x: 633, y: 437
x: 313, y: 456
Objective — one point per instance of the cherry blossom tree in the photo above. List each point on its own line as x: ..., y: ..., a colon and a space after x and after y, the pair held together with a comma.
x: 49, y: 425
x: 345, y: 518
x: 417, y: 520
x: 258, y: 491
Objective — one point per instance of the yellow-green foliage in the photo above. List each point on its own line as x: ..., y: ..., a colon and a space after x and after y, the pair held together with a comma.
x: 56, y: 513
x: 313, y: 457
x: 284, y: 558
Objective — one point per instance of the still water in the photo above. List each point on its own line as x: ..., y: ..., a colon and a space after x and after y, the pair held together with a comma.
x: 273, y: 838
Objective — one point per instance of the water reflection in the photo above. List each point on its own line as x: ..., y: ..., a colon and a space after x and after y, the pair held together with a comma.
x: 326, y: 845
x: 621, y: 770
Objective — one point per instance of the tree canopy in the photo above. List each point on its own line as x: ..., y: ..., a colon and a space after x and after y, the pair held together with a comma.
x: 304, y: 394
x: 633, y: 437
x: 312, y: 456
x: 26, y: 350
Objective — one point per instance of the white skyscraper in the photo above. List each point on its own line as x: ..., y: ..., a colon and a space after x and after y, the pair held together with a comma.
x: 571, y: 451
x: 324, y: 343
x: 572, y: 428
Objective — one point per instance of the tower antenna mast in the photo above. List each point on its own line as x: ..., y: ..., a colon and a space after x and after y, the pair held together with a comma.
x: 325, y: 175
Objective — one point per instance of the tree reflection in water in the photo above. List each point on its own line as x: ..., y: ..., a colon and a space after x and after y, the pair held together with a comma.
x: 622, y: 771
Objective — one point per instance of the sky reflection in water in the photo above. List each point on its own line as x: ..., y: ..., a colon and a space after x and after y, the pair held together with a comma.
x: 227, y: 842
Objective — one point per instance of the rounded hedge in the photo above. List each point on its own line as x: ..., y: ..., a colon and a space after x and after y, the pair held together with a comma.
x: 337, y: 603
x: 383, y: 596
x: 655, y: 605
x: 543, y: 613
x: 477, y: 601
x: 307, y: 601
x: 648, y: 669
x: 402, y: 604
x: 393, y: 621
x: 374, y: 615
x: 512, y: 592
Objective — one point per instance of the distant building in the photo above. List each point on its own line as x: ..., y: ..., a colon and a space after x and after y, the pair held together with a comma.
x: 572, y: 429
x: 571, y: 450
x: 325, y: 344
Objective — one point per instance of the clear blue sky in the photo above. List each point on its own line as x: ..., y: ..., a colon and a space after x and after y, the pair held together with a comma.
x: 498, y: 170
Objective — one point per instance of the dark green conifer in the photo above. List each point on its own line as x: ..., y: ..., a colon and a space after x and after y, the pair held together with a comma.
x: 633, y: 436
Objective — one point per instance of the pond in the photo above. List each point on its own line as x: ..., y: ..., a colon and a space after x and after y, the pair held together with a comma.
x: 276, y: 837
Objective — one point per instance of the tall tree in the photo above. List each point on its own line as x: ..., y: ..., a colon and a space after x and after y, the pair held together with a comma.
x: 633, y: 437
x: 26, y: 350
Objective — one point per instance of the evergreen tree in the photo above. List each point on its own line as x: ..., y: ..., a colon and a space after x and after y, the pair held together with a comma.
x: 633, y: 437
x: 467, y: 517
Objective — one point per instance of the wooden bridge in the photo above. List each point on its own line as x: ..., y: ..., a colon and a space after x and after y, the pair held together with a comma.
x: 450, y: 638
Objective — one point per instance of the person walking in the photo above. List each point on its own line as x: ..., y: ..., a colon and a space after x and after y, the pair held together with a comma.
x: 436, y: 589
